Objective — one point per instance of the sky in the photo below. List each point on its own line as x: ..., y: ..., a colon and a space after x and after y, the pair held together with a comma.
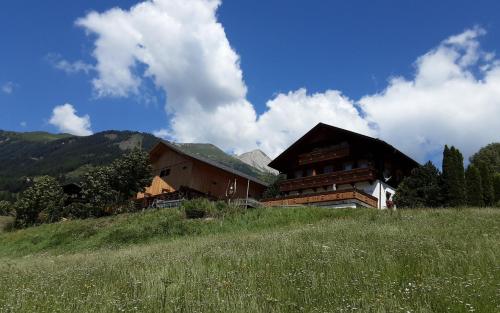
x: 255, y: 74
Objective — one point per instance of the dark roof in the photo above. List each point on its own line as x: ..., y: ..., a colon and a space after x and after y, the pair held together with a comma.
x: 208, y: 161
x: 275, y: 163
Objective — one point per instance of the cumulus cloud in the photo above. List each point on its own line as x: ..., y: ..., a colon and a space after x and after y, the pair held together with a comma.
x: 69, y: 67
x: 450, y: 100
x: 65, y: 119
x: 183, y: 49
x: 8, y: 88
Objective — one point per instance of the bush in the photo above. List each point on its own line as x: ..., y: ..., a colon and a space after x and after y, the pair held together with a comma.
x: 197, y: 208
x: 202, y: 207
x: 5, y: 208
x: 78, y: 210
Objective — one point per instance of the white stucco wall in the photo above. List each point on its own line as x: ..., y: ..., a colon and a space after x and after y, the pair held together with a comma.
x: 377, y: 189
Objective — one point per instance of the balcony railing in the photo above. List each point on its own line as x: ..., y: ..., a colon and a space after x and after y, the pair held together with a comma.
x: 323, y: 155
x: 341, y: 177
x: 345, y: 196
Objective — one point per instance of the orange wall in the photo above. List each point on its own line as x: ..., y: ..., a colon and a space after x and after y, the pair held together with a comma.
x: 214, y: 181
x: 180, y: 168
x: 185, y: 171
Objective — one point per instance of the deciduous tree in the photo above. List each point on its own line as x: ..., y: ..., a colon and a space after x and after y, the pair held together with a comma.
x: 473, y: 186
x: 43, y: 202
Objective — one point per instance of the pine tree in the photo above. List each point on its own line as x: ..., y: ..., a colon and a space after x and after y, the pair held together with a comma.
x: 447, y: 174
x: 460, y: 172
x: 487, y: 183
x: 474, y: 188
x: 453, y: 177
x: 420, y: 189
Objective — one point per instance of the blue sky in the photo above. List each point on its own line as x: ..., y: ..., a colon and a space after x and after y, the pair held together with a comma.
x: 351, y: 47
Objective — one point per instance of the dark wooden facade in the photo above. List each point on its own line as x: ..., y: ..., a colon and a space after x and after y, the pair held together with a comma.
x: 174, y: 169
x: 328, y: 159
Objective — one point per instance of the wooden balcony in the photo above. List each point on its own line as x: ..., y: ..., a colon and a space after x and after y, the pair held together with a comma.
x: 351, y: 195
x: 323, y: 155
x: 341, y: 177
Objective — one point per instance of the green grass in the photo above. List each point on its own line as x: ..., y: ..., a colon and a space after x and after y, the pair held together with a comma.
x: 268, y: 260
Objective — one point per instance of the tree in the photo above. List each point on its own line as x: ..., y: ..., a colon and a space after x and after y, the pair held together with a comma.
x: 421, y: 189
x: 97, y: 191
x: 489, y: 155
x: 108, y: 186
x: 496, y: 186
x: 453, y: 177
x: 487, y: 183
x: 474, y: 189
x: 131, y: 174
x: 273, y: 190
x: 41, y: 203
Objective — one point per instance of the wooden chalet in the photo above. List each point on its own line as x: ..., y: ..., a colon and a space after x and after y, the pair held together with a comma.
x: 178, y: 173
x: 335, y: 167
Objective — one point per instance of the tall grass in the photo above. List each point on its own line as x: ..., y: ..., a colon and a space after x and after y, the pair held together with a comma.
x: 269, y: 260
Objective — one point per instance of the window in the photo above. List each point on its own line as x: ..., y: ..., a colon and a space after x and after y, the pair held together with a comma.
x: 328, y: 169
x: 347, y: 166
x: 363, y: 164
x: 309, y: 172
x: 298, y: 174
x: 164, y: 172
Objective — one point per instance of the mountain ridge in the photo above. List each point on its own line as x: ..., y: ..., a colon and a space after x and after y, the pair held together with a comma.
x: 258, y: 159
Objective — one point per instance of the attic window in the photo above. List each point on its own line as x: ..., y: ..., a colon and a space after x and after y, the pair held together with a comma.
x: 164, y: 172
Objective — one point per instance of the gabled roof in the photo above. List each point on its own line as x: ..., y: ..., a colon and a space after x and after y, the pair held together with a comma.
x: 325, y: 127
x: 207, y: 161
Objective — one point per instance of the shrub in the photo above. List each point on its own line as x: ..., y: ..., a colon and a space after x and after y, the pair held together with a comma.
x: 5, y: 208
x: 273, y: 191
x: 78, y: 210
x: 197, y: 208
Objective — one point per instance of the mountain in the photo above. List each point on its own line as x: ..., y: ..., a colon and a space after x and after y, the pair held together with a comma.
x: 67, y: 157
x: 216, y: 154
x: 257, y: 159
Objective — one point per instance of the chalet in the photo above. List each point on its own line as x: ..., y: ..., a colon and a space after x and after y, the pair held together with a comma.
x: 178, y: 171
x: 335, y: 167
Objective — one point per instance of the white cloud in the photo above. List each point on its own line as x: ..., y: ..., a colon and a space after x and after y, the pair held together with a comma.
x: 183, y: 49
x: 8, y: 88
x: 65, y: 119
x: 23, y: 124
x: 162, y: 133
x: 448, y: 101
x: 69, y: 67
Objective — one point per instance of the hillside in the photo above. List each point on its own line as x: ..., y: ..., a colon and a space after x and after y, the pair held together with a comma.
x: 24, y: 155
x: 266, y: 260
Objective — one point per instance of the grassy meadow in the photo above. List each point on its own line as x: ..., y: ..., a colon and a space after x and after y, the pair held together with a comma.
x: 266, y: 260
